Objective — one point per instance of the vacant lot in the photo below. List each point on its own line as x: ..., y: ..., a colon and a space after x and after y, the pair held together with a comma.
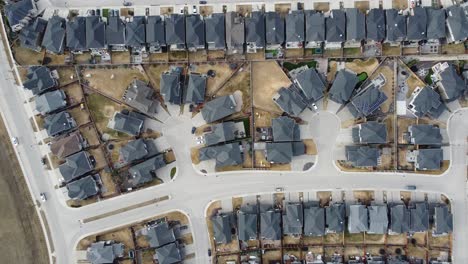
x: 21, y: 234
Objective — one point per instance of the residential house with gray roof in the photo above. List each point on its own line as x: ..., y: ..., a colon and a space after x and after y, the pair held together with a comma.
x: 335, y: 25
x: 279, y: 152
x: 399, y: 219
x: 424, y: 134
x: 19, y: 13
x: 457, y: 24
x: 443, y: 220
x: 362, y: 156
x: 396, y: 27
x: 75, y: 166
x: 66, y: 146
x: 311, y: 84
x: 375, y: 25
x: 274, y: 30
x: 247, y: 225
x: 159, y: 235
x: 141, y: 97
x: 295, y: 29
x: 58, y: 123
x: 293, y: 219
x: 95, y: 33
x: 219, y: 108
x: 419, y: 217
x: 136, y: 150
x: 196, y: 88
x: 270, y: 224
x: 50, y: 101
x: 235, y: 33
x: 135, y: 34
x: 314, y: 29
x: 378, y: 219
x: 195, y: 32
x: 169, y: 254
x: 450, y: 85
x: 426, y: 102
x: 146, y: 171
x: 255, y: 31
x: 335, y: 218
x: 314, y: 221
x: 215, y: 32
x: 83, y: 188
x: 290, y: 101
x: 175, y: 32
x: 54, y: 36
x: 222, y: 228
x: 426, y: 159
x: 343, y: 86
x: 39, y: 79
x: 371, y: 132
x: 369, y: 100
x: 171, y: 88
x: 417, y: 25
x: 355, y: 27
x: 155, y: 34
x: 358, y: 219
x: 104, y: 252
x: 76, y: 35
x: 285, y: 129
x: 115, y: 33
x: 224, y: 155
x: 435, y: 25
x: 130, y: 124
x: 221, y: 132
x: 31, y: 35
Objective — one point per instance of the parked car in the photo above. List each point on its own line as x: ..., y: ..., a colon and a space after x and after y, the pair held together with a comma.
x: 194, y: 9
x: 410, y: 187
x: 314, y: 106
x: 193, y: 130
x: 279, y: 189
x: 43, y: 161
x: 202, y: 2
x: 14, y: 140
x: 209, y: 252
x: 43, y: 197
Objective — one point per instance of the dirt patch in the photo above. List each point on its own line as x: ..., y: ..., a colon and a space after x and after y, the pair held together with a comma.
x: 26, y: 57
x: 271, y: 256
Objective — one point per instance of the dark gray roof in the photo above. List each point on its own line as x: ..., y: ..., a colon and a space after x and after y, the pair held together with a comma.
x: 225, y: 155
x: 295, y: 26
x: 429, y: 159
x: 76, y: 34
x: 285, y: 129
x: 95, y: 33
x: 453, y: 85
x: 141, y: 97
x: 68, y: 145
x: 375, y: 24
x: 219, y: 108
x: 50, y: 101
x: 175, y: 30
x: 54, y: 35
x: 58, y: 123
x: 336, y: 26
x: 195, y: 31
x: 314, y: 221
x: 155, y: 31
x: 128, y: 124
x: 115, y: 31
x: 247, y: 225
x: 367, y: 102
x: 425, y: 134
x: 358, y: 220
x: 290, y: 101
x: 457, y: 22
x: 435, y: 23
x: 343, y: 86
x: 170, y: 87
x: 370, y: 132
x: 215, y: 31
x: 378, y: 219
x: 427, y: 102
x: 298, y: 148
x: 135, y: 32
x: 417, y: 24
x: 335, y: 217
x: 39, y: 79
x: 82, y: 188
x: 255, y: 29
x: 275, y: 29
x: 133, y: 150
x: 235, y: 30
x: 315, y: 26
x: 32, y: 34
x: 104, y: 253
x: 169, y: 254
x: 221, y: 132
x: 221, y: 228
x: 270, y: 225
x: 443, y: 220
x: 355, y: 24
x: 159, y: 235
x: 399, y: 219
x: 311, y: 84
x: 16, y: 11
x: 419, y: 217
x: 143, y: 172
x: 75, y: 166
x: 362, y: 156
x: 279, y: 152
x: 196, y: 89
x: 396, y: 25
x: 293, y: 219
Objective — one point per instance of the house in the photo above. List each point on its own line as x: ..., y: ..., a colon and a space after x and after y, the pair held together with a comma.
x: 285, y: 129
x: 31, y: 35
x: 358, y: 219
x: 95, y: 34
x: 314, y: 221
x: 155, y: 34
x: 426, y: 102
x: 378, y: 219
x: 39, y: 79
x: 83, y: 188
x: 54, y: 36
x: 224, y: 155
x: 335, y: 25
x: 443, y: 220
x: 130, y: 124
x: 104, y: 252
x: 58, y: 123
x: 355, y: 27
x: 370, y: 98
x: 68, y: 145
x: 143, y: 172
x: 235, y: 33
x: 343, y: 86
x: 371, y: 132
x: 457, y: 24
x: 270, y: 225
x: 136, y: 150
x: 290, y: 101
x: 170, y: 85
x: 76, y: 35
x: 375, y: 25
x: 159, y: 235
x: 196, y: 87
x: 135, y: 34
x: 295, y: 29
x: 219, y: 108
x: 19, y: 13
x: 426, y: 159
x: 195, y: 32
x: 115, y: 34
x: 175, y: 32
x: 247, y: 223
x: 169, y: 254
x: 396, y: 27
x: 314, y: 29
x: 335, y: 218
x: 435, y: 25
x: 222, y: 228
x: 419, y: 217
x: 293, y: 219
x: 362, y: 156
x: 279, y: 152
x: 417, y: 25
x: 450, y: 85
x: 275, y: 30
x: 220, y: 132
x: 399, y: 219
x: 311, y: 84
x: 75, y: 166
x: 215, y: 32
x: 255, y: 32
x: 424, y: 135
x: 50, y: 101
x: 141, y: 97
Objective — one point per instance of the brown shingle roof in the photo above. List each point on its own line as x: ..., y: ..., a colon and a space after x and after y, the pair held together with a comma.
x: 68, y: 145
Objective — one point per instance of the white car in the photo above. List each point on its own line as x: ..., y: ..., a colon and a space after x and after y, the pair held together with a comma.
x: 14, y: 140
x: 43, y: 197
x: 314, y: 106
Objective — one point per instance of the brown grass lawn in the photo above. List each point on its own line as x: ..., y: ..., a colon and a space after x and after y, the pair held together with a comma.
x: 359, y: 66
x: 154, y: 74
x: 333, y: 53
x: 363, y: 6
x: 99, y: 156
x: 81, y: 116
x: 294, y: 53
x: 89, y: 133
x: 388, y: 50
x: 333, y: 239
x: 402, y: 126
x: 198, y: 56
x: 354, y: 238
x: 352, y: 251
x: 440, y: 241
x: 271, y: 255
x: 216, y: 54
x: 322, y: 6
x: 223, y: 73
x: 413, y: 81
x: 364, y: 196
x: 311, y: 147
x: 206, y: 10
x: 260, y: 159
x: 239, y: 82
x: 123, y: 236
x: 283, y: 9
x: 166, y: 10
x: 397, y: 239
x: 257, y: 56
x: 120, y: 57
x: 108, y: 184
x: 400, y: 4
x: 374, y: 239
x: 410, y: 51
x: 416, y: 251
x: 26, y: 57
x: 178, y: 55
x: 453, y: 48
x: 159, y: 57
x: 66, y: 75
x: 263, y: 118
x: 82, y: 58
x: 388, y: 87
x: 74, y: 93
x: 244, y: 9
x: 57, y: 59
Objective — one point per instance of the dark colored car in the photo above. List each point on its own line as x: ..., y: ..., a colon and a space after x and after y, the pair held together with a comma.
x: 209, y: 252
x: 193, y: 130
x: 202, y: 2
